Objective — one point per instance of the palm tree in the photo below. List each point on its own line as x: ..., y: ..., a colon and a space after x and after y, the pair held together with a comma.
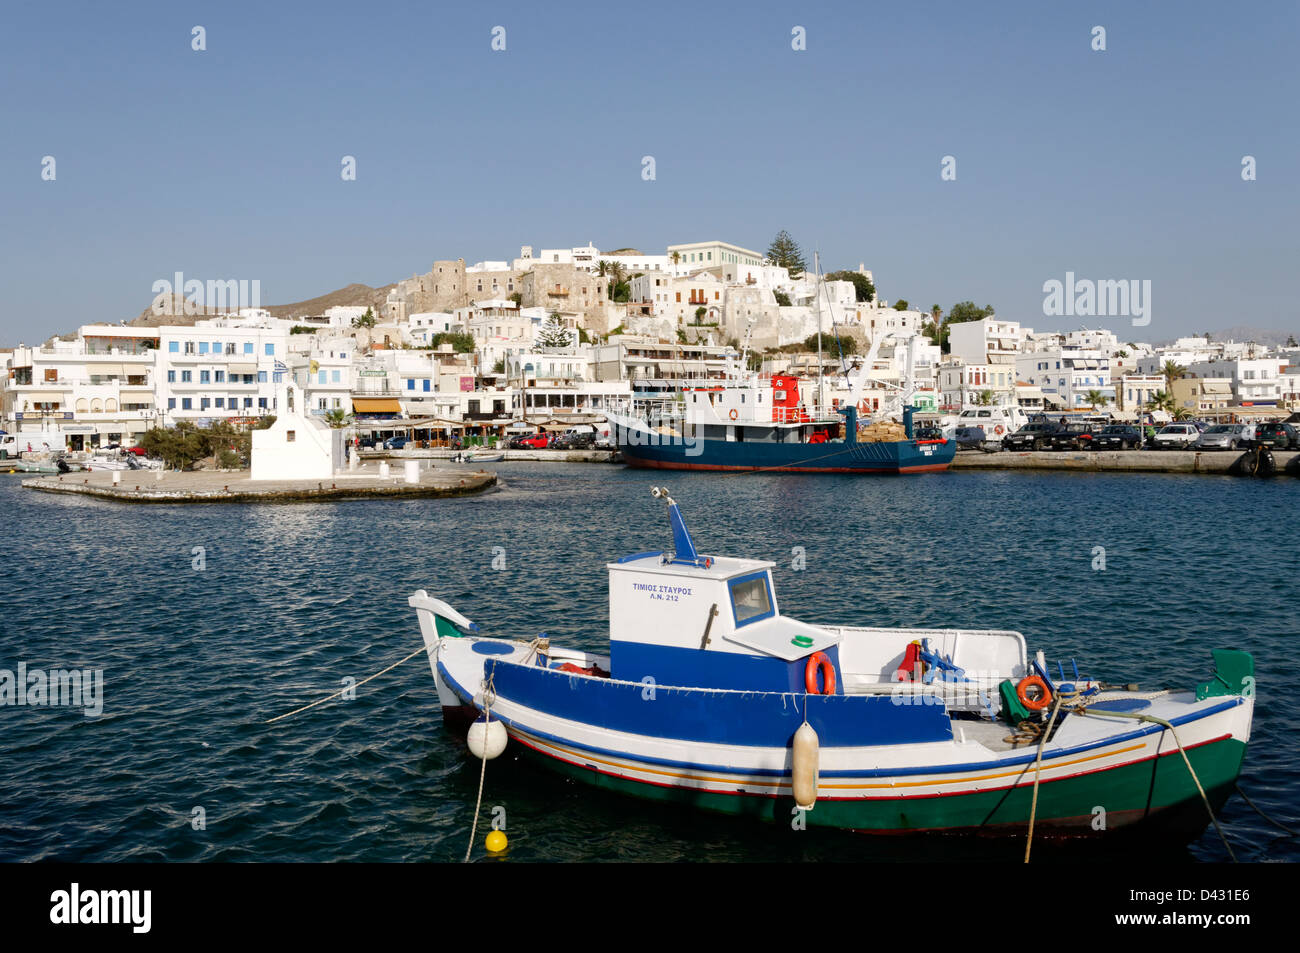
x: 1162, y: 400
x: 985, y: 398
x: 337, y: 418
x: 1173, y: 371
x: 1094, y: 398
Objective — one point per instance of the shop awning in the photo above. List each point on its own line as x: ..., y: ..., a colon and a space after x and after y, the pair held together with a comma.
x: 242, y: 368
x: 376, y: 405
x: 1216, y: 387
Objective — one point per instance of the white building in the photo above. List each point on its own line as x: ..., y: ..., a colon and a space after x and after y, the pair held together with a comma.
x: 97, y: 388
x: 991, y: 340
x: 1067, y: 375
x: 1254, y: 382
x: 299, y: 445
x: 220, y: 369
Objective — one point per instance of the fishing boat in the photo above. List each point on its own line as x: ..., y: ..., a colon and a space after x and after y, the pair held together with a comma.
x: 710, y: 696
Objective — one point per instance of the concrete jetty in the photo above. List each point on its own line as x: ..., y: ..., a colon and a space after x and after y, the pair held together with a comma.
x: 365, y: 483
x: 1118, y: 461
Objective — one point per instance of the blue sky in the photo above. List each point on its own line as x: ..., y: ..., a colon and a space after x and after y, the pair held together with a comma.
x: 226, y: 163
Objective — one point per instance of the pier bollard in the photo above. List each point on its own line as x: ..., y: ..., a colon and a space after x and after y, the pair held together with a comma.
x: 117, y: 477
x: 353, y: 459
x: 412, y: 472
x: 383, y: 470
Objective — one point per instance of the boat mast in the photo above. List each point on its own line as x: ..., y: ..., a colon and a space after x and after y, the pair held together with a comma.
x: 821, y: 384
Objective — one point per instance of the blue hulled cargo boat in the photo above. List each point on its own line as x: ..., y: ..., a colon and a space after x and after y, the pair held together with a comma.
x: 757, y: 425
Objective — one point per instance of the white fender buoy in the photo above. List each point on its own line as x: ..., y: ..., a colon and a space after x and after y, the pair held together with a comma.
x: 487, y: 739
x: 804, y: 767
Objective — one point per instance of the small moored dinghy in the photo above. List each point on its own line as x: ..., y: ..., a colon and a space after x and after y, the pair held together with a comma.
x: 711, y: 697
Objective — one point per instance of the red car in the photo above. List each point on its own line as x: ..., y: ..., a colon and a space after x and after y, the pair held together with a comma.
x: 532, y: 441
x: 138, y: 451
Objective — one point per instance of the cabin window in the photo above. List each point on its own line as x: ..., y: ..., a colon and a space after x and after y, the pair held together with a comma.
x: 751, y: 599
x: 290, y: 436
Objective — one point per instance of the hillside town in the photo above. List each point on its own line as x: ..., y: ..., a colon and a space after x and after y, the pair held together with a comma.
x: 562, y: 335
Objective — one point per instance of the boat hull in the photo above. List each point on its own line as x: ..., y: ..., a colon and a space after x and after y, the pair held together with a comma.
x: 908, y: 456
x: 1099, y: 774
x: 1161, y: 799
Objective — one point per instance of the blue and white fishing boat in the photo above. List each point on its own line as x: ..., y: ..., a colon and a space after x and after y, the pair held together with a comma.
x: 711, y: 697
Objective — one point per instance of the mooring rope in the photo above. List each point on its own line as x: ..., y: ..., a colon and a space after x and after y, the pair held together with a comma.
x: 1278, y: 824
x: 350, y: 687
x: 489, y: 695
x: 1038, y: 770
x: 1082, y: 710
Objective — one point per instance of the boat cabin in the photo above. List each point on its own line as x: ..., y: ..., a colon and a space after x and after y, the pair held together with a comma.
x: 679, y: 618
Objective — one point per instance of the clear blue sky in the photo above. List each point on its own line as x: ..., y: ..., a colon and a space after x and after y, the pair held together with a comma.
x: 225, y: 163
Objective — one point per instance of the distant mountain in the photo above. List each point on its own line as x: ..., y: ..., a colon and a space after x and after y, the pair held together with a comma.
x: 1258, y: 335
x: 352, y: 295
x: 1245, y: 334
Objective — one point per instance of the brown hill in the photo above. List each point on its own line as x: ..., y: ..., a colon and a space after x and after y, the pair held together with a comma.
x: 355, y: 294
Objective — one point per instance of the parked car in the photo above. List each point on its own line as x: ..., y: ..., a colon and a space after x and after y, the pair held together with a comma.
x: 529, y: 441
x: 1118, y: 437
x: 138, y: 451
x: 1076, y: 435
x: 575, y: 440
x: 1178, y: 436
x: 395, y: 443
x: 1033, y: 436
x: 1277, y: 437
x: 604, y: 441
x: 970, y: 438
x: 368, y: 442
x: 1226, y: 437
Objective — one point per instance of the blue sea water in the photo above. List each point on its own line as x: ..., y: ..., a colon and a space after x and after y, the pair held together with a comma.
x: 293, y: 599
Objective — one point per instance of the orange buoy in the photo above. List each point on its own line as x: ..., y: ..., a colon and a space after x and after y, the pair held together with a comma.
x: 1041, y: 700
x: 819, y: 660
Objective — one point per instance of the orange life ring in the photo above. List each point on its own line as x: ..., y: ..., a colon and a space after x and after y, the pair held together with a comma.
x: 815, y: 661
x: 734, y: 413
x: 1039, y: 703
x: 998, y: 430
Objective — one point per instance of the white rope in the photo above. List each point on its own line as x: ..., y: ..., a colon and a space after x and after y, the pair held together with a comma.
x: 350, y: 687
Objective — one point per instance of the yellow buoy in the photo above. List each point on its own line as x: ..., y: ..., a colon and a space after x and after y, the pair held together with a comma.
x: 803, y: 764
x: 496, y: 841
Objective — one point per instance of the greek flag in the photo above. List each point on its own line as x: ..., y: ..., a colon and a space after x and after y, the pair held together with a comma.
x: 281, y: 367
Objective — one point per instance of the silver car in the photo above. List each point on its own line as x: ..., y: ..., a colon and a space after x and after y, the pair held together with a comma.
x: 1226, y: 437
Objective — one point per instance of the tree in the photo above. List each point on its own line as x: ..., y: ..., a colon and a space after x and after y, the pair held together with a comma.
x: 500, y: 366
x: 460, y: 342
x: 367, y: 320
x: 337, y: 418
x: 784, y: 251
x: 985, y: 398
x: 1162, y: 400
x: 782, y: 298
x: 964, y: 311
x: 518, y: 299
x: 553, y: 333
x: 1095, y: 397
x: 1172, y: 371
x: 901, y: 304
x: 936, y: 313
x: 862, y: 285
x: 700, y: 312
x: 830, y: 344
